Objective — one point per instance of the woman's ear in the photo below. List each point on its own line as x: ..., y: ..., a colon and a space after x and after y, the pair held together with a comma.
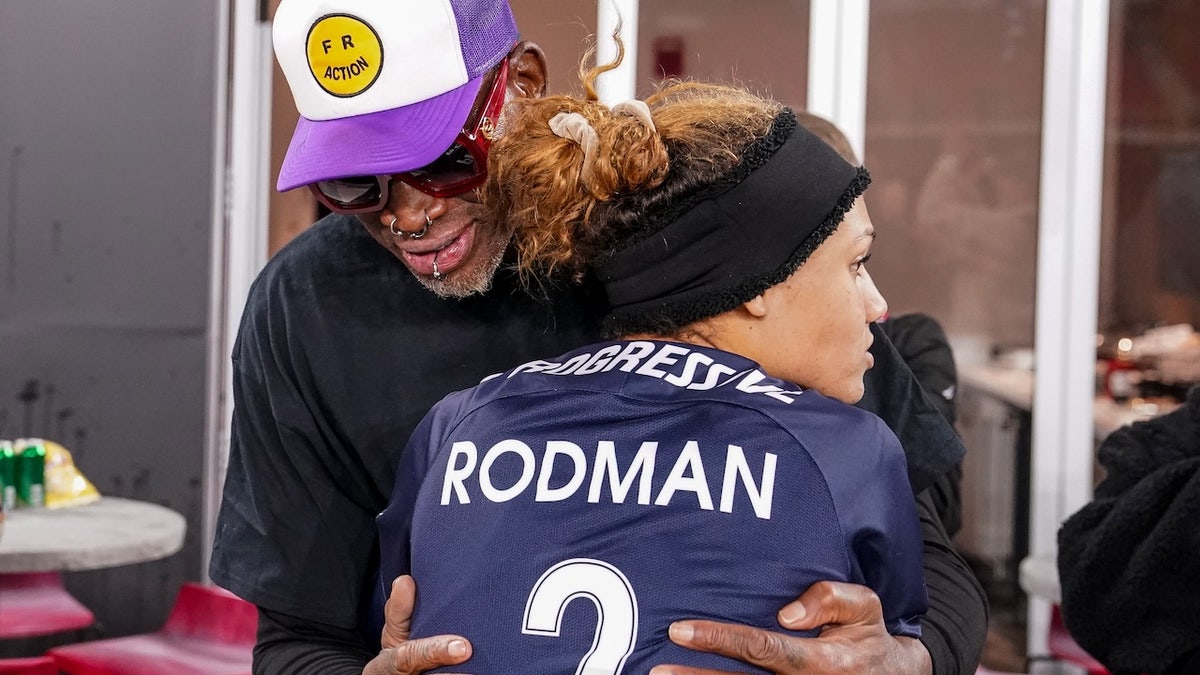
x: 527, y: 70
x: 756, y: 306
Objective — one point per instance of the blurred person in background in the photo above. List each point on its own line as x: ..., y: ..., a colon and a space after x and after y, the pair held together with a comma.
x: 1127, y: 560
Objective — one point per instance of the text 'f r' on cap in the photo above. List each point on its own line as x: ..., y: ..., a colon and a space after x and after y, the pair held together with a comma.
x: 382, y: 86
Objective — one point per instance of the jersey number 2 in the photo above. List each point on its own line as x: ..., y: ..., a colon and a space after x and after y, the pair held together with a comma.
x: 616, y: 608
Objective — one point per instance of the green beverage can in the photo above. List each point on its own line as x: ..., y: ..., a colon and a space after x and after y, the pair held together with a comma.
x: 8, y: 476
x: 31, y: 472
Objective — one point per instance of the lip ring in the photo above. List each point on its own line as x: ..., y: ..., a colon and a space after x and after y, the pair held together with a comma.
x: 445, y: 245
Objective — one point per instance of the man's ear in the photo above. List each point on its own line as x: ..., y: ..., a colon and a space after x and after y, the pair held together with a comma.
x: 527, y: 70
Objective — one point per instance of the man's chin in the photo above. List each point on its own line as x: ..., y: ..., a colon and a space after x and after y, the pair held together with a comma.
x: 474, y: 278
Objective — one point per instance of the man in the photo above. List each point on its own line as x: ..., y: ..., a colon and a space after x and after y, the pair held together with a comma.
x: 357, y: 327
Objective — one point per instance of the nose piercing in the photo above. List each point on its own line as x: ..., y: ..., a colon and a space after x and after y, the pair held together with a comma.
x: 405, y: 233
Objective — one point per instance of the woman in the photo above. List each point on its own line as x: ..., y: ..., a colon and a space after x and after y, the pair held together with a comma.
x: 710, y: 456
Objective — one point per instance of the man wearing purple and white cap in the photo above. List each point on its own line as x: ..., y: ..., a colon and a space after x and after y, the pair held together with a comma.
x: 402, y: 99
x: 342, y: 350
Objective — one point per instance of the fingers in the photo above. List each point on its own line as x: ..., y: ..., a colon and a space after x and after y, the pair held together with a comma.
x: 401, y: 656
x: 853, y: 638
x: 418, y: 656
x: 832, y: 603
x: 774, y: 651
x: 397, y: 612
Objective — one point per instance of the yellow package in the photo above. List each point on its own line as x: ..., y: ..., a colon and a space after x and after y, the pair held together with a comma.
x: 65, y: 485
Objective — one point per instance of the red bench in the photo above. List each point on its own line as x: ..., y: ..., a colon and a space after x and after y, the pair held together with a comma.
x: 37, y: 665
x: 36, y: 603
x: 210, y: 631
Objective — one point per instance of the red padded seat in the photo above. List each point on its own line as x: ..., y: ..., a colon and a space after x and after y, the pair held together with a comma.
x: 36, y: 665
x: 1063, y: 647
x: 37, y: 603
x: 210, y: 631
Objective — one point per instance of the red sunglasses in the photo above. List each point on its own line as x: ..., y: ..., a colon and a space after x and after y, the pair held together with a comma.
x: 462, y: 167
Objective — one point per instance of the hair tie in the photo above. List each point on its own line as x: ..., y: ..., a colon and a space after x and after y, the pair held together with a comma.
x: 635, y: 108
x: 576, y: 127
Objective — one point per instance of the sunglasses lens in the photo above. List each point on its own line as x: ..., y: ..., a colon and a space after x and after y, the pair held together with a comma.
x: 457, y: 165
x: 463, y: 166
x: 352, y: 193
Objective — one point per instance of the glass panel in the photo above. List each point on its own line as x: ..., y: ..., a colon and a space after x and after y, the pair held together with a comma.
x: 954, y: 103
x: 563, y: 29
x: 953, y: 142
x: 759, y: 44
x: 1150, y: 251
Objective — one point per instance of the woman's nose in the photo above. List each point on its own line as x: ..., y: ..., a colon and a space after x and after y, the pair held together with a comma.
x: 875, y: 303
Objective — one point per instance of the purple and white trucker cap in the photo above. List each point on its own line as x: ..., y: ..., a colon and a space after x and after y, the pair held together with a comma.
x: 382, y: 86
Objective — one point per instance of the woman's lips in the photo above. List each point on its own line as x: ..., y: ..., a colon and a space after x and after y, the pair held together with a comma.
x: 450, y: 255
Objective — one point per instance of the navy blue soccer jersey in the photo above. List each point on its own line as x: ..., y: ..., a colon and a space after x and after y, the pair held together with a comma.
x: 562, y: 514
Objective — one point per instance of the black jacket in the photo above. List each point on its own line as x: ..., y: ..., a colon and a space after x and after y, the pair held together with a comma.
x: 1129, y: 560
x: 922, y: 344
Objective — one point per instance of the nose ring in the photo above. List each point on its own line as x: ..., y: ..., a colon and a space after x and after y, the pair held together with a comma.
x: 406, y: 233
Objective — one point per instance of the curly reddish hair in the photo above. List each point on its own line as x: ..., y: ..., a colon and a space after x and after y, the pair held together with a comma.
x: 564, y: 221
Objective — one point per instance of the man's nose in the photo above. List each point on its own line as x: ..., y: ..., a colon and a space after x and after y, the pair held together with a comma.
x: 413, y: 208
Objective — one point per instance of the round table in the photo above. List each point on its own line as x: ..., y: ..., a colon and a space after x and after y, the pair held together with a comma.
x: 110, y: 532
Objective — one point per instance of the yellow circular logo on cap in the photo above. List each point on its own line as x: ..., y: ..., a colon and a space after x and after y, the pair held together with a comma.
x: 344, y: 54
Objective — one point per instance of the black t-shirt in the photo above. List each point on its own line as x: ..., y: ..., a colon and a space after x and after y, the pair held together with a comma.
x: 340, y: 354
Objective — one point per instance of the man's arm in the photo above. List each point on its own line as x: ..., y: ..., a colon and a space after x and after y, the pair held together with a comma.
x: 401, y: 656
x: 955, y: 626
x: 854, y: 638
x: 295, y: 529
x: 287, y: 644
x: 290, y: 645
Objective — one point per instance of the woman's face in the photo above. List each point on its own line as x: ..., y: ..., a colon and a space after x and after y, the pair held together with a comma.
x: 816, y: 327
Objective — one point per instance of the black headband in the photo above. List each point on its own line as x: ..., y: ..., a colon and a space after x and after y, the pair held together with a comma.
x: 733, y: 239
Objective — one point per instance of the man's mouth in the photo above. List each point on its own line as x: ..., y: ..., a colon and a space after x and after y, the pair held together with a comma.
x: 444, y: 258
